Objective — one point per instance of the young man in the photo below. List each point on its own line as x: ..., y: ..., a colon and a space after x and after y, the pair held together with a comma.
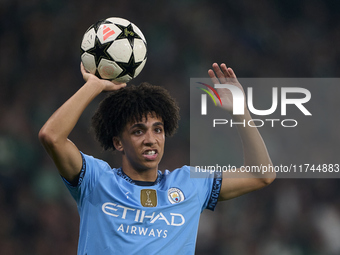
x: 135, y: 209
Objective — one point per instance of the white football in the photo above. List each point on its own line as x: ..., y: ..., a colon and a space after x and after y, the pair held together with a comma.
x: 114, y: 49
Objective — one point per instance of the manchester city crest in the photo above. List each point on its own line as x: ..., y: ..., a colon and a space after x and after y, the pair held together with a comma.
x: 175, y: 195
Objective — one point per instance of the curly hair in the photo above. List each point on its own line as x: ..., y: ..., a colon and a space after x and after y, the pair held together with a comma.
x: 131, y: 104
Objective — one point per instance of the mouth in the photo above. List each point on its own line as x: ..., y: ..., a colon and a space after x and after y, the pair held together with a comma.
x: 150, y: 154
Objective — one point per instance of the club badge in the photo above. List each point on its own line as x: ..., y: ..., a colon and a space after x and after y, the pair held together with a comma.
x: 148, y: 197
x: 175, y: 195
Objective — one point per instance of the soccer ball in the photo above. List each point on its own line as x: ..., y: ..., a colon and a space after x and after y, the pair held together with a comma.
x: 114, y: 49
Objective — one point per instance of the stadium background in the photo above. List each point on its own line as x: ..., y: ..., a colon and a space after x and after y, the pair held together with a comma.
x: 39, y: 70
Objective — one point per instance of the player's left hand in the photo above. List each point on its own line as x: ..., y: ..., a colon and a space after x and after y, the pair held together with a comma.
x: 224, y: 75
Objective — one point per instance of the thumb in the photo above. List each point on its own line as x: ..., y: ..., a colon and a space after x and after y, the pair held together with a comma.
x: 85, y: 74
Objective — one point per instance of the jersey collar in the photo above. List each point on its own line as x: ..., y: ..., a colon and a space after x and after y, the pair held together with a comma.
x: 121, y: 173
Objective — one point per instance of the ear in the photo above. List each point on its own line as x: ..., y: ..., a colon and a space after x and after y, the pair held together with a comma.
x: 117, y: 143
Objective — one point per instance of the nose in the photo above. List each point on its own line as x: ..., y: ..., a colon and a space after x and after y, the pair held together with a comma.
x: 149, y: 138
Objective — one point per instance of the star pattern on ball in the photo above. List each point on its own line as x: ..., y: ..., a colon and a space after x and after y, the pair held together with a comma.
x: 98, y: 46
x: 129, y: 68
x: 128, y: 33
x: 99, y: 51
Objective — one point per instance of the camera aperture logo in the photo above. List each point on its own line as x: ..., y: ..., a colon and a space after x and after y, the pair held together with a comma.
x: 239, y: 102
x: 204, y: 97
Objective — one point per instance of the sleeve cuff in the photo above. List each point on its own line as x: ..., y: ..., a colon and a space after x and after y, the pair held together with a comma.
x: 215, y: 192
x: 79, y: 179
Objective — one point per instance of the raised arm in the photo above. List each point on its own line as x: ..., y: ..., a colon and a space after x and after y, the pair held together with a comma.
x: 254, y: 149
x: 54, y: 134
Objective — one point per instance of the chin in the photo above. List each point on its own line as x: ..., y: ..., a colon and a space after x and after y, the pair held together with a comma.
x: 151, y: 165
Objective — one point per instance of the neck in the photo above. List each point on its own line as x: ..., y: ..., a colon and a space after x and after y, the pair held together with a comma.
x: 138, y: 173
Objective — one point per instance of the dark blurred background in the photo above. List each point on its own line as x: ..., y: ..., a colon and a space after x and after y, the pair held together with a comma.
x: 39, y: 70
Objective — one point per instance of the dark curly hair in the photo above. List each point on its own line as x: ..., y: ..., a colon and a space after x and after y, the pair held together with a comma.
x: 131, y: 104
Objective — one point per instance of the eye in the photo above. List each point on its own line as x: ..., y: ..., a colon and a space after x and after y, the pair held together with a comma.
x: 158, y: 130
x: 137, y: 132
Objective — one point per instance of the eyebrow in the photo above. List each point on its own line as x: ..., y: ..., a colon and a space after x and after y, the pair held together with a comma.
x: 142, y: 125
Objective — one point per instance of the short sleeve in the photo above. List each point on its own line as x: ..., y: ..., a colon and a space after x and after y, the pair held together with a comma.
x: 208, y: 187
x: 89, y: 175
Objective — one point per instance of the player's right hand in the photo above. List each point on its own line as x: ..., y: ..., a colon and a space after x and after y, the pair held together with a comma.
x: 225, y: 75
x: 104, y: 84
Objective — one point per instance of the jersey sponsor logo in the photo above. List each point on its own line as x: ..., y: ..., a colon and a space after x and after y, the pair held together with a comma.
x: 142, y: 231
x: 124, y: 212
x: 175, y: 195
x: 148, y: 197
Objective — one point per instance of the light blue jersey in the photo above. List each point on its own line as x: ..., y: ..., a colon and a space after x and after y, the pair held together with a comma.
x: 117, y: 216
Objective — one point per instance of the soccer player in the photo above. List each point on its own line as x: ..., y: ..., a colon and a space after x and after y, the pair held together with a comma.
x: 135, y: 208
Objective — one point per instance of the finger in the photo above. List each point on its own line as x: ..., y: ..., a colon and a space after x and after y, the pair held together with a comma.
x: 224, y: 69
x: 220, y: 75
x: 82, y: 68
x: 83, y: 72
x: 120, y: 85
x: 213, y: 77
x: 117, y: 82
x: 110, y: 86
x: 231, y: 73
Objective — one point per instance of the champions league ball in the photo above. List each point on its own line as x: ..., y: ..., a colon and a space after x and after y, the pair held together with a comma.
x: 114, y: 49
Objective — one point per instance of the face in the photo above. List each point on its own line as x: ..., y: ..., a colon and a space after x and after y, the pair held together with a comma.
x: 142, y: 144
